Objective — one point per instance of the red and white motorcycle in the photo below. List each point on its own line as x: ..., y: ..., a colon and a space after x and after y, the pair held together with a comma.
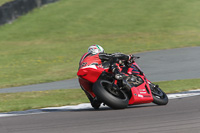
x: 100, y: 83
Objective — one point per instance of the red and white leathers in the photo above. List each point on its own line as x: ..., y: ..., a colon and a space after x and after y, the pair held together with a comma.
x: 102, y: 59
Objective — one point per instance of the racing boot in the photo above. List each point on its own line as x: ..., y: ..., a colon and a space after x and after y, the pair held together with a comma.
x: 95, y: 103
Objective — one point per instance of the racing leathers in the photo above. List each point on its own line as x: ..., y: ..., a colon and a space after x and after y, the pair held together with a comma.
x: 105, y: 60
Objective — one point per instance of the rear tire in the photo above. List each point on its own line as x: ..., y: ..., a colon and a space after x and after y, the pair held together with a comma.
x: 115, y: 99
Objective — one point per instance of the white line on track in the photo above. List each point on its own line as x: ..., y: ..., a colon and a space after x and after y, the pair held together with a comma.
x: 86, y: 106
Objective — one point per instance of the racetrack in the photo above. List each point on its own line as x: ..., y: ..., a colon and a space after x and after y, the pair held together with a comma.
x: 179, y: 116
x: 163, y: 65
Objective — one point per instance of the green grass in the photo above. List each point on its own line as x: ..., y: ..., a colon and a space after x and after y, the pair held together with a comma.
x: 179, y: 85
x: 33, y: 100
x: 4, y: 1
x: 46, y: 44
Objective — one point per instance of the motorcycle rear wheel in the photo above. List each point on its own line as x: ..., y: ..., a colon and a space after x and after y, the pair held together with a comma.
x: 114, y: 98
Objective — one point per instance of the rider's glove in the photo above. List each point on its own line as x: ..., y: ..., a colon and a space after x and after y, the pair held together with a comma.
x: 119, y: 76
x: 116, y: 70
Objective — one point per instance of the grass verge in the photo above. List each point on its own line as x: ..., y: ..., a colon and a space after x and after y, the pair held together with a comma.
x: 39, y: 99
x: 46, y: 44
x: 4, y: 1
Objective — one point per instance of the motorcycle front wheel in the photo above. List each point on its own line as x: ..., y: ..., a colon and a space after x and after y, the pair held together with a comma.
x: 106, y: 93
x: 159, y: 97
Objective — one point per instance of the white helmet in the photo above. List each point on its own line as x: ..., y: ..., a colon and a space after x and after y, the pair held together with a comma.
x: 95, y: 49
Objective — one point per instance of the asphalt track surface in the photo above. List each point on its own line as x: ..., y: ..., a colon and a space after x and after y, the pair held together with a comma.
x: 163, y: 65
x: 178, y: 116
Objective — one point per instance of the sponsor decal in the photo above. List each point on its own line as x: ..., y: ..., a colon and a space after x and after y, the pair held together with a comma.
x: 147, y: 96
x: 90, y: 66
x: 83, y: 64
x: 140, y: 95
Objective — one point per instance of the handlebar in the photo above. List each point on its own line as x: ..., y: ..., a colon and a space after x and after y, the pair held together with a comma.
x: 135, y: 57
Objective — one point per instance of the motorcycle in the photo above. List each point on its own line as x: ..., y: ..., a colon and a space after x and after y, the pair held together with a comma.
x: 99, y: 83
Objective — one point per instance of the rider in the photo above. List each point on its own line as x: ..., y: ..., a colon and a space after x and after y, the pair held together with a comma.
x: 96, y: 56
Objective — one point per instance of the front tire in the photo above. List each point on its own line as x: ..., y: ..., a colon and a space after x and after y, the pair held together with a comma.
x: 114, y: 98
x: 159, y: 97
